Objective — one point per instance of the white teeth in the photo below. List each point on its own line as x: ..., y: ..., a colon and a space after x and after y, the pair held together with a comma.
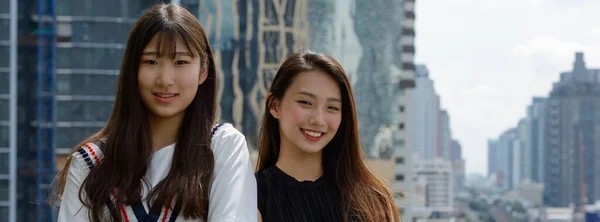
x: 313, y: 134
x: 165, y: 95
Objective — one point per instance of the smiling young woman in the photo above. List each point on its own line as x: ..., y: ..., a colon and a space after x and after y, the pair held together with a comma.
x: 309, y: 166
x: 162, y: 156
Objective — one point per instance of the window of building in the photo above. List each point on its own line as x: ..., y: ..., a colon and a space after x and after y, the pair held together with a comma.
x: 67, y: 137
x: 194, y: 7
x: 399, y: 143
x: 4, y: 190
x: 4, y: 136
x: 77, y: 111
x: 4, y: 109
x: 4, y: 80
x: 88, y: 58
x: 271, y: 43
x: 80, y: 84
x: 401, y: 108
x: 63, y: 86
x: 4, y: 163
x: 400, y: 160
x: 401, y: 126
x: 4, y: 53
x: 4, y: 25
x: 399, y: 177
x: 400, y: 92
x: 107, y: 8
x: 84, y: 31
x: 5, y: 9
x: 3, y: 213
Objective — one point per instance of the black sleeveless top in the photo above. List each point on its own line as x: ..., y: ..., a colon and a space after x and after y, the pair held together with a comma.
x: 283, y: 198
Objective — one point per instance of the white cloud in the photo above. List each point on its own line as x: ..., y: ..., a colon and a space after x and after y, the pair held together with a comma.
x: 547, y: 45
x: 546, y: 54
x: 595, y: 31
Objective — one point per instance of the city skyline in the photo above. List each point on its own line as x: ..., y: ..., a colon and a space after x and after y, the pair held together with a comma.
x: 556, y: 144
x: 489, y: 63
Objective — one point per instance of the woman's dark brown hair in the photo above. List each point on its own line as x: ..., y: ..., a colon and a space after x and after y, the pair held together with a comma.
x: 128, y: 142
x: 361, y: 193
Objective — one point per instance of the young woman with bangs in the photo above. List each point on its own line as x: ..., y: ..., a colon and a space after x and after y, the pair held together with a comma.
x: 162, y: 156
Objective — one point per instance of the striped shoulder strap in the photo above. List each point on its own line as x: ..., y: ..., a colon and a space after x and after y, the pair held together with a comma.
x: 215, y: 128
x: 92, y: 152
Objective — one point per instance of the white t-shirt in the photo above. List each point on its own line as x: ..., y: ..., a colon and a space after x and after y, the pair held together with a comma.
x: 233, y: 194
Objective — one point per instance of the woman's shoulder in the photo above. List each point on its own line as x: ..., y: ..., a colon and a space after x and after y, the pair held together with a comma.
x: 262, y: 175
x: 228, y: 142
x: 225, y: 130
x: 226, y: 136
x: 265, y: 178
x: 88, y: 155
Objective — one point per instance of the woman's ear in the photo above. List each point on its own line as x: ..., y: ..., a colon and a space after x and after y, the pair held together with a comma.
x: 203, y: 72
x: 273, y: 105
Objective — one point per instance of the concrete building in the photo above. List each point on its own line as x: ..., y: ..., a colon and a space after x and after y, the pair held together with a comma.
x: 505, y: 159
x: 404, y: 44
x: 525, y: 140
x: 426, y: 113
x: 403, y: 79
x: 528, y: 192
x: 322, y: 25
x: 438, y: 175
x: 372, y: 20
x: 521, y: 153
x: 432, y: 191
x: 492, y: 163
x: 510, y: 155
x: 403, y: 181
x: 455, y: 150
x: 392, y: 73
x: 445, y: 136
x: 458, y: 170
x: 407, y: 38
x: 536, y: 115
x: 458, y: 164
x: 572, y: 117
x: 594, y: 75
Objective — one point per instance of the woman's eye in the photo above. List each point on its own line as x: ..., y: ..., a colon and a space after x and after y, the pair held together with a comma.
x: 304, y: 102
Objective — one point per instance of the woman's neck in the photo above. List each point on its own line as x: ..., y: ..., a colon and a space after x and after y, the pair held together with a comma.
x: 300, y: 165
x: 164, y: 130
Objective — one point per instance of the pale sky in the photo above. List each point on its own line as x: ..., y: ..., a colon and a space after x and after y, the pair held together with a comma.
x: 488, y: 58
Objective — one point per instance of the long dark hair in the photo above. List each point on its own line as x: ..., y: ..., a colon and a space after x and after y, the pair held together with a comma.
x: 361, y: 193
x: 128, y: 144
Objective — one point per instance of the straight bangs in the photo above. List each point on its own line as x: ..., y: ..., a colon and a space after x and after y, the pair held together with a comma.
x: 166, y: 42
